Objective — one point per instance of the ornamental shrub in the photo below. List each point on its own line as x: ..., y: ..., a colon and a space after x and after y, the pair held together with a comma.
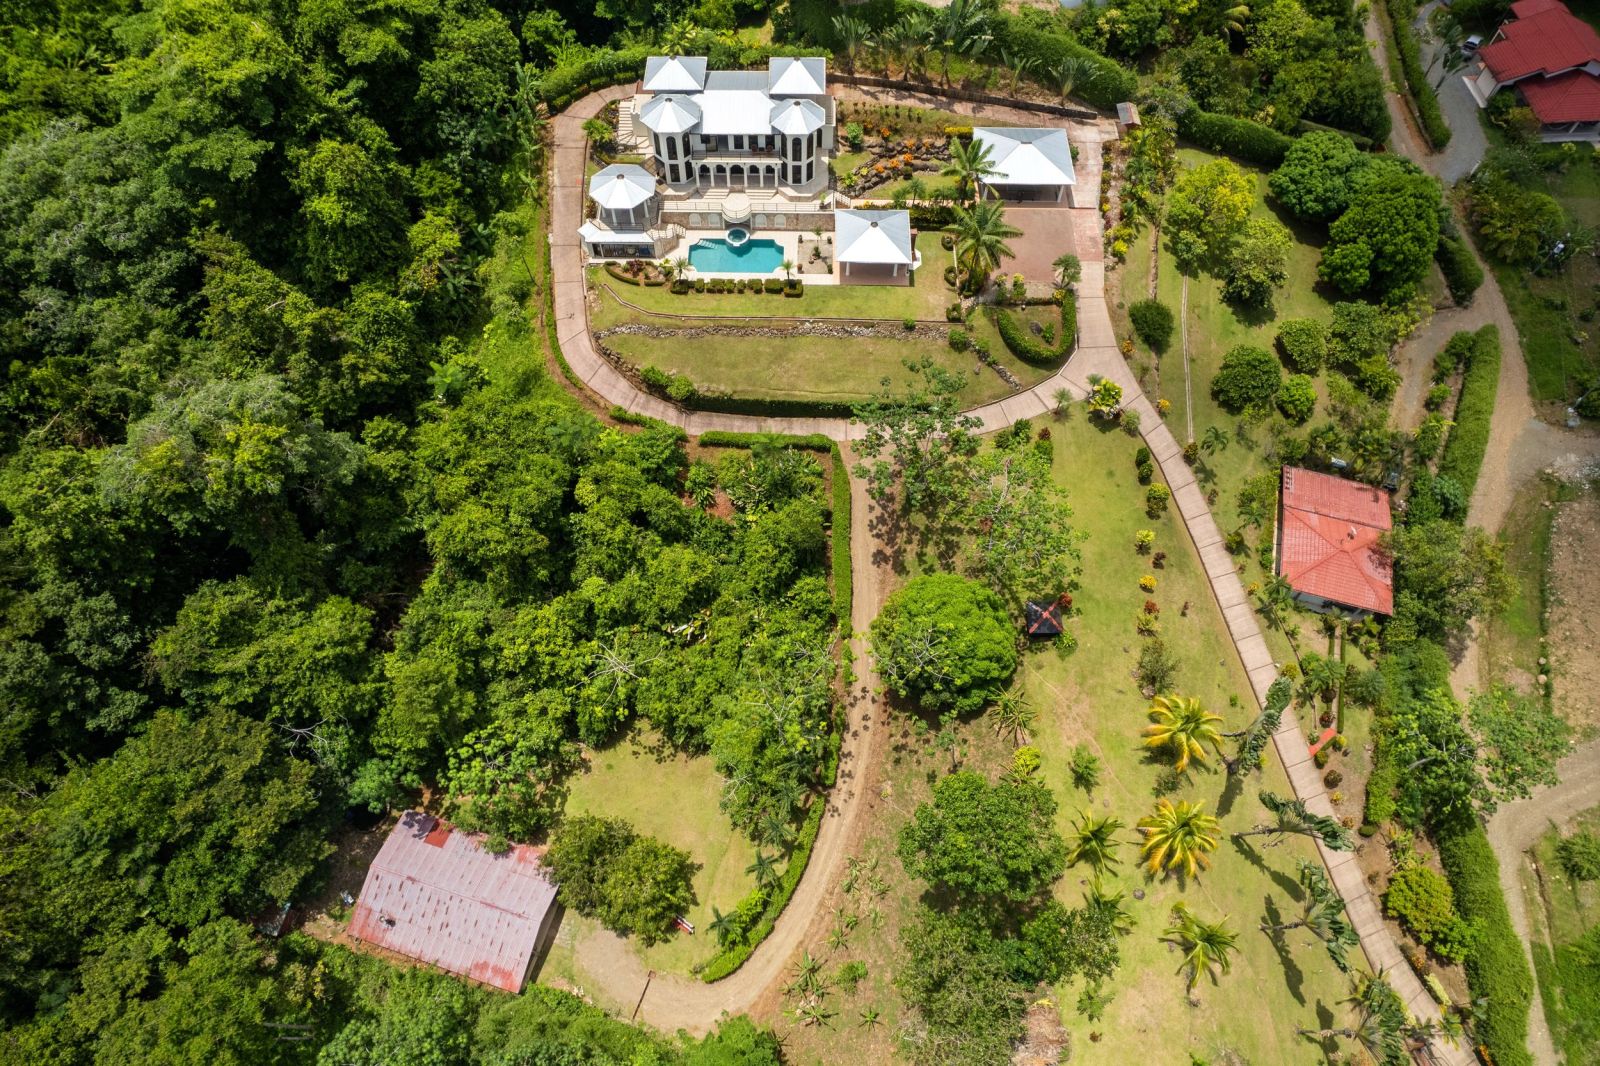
x: 959, y: 340
x: 1298, y: 398
x: 1421, y: 900
x: 1460, y: 268
x: 1303, y: 345
x: 1250, y: 377
x: 1153, y: 322
x: 1155, y: 500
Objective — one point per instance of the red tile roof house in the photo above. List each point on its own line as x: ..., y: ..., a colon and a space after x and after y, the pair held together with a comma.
x: 1328, y: 542
x: 1552, y: 58
x: 434, y: 894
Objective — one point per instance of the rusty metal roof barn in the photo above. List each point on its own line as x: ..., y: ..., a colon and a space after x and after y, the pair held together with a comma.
x: 434, y: 894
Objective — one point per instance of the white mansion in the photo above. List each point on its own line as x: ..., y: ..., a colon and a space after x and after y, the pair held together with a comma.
x: 736, y: 167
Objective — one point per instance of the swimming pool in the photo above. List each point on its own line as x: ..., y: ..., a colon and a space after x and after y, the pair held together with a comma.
x: 716, y: 256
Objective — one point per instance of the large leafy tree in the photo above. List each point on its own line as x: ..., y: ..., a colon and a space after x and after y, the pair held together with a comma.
x: 1024, y: 544
x: 944, y: 642
x: 994, y: 844
x: 1314, y: 179
x: 914, y: 443
x: 1446, y: 575
x: 1258, y: 265
x: 1384, y: 242
x: 1206, y: 213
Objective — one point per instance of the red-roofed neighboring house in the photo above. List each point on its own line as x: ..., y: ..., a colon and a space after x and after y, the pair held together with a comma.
x: 1329, y: 530
x: 1552, y: 58
x: 434, y: 894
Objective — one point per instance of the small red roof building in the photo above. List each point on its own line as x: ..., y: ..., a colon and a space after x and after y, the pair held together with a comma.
x: 1552, y: 57
x: 434, y: 894
x: 1328, y: 541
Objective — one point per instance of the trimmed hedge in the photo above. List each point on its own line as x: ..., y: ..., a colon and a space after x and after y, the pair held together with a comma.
x: 1030, y: 349
x: 730, y: 959
x: 724, y: 438
x: 631, y: 418
x: 1469, y: 439
x: 775, y: 407
x: 1409, y: 55
x: 839, y: 526
x: 1460, y: 268
x: 1239, y: 137
x: 1497, y: 968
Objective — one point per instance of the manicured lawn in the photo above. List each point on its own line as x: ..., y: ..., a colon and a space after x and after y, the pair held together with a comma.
x: 843, y: 369
x: 1090, y: 697
x: 675, y: 799
x: 1563, y: 911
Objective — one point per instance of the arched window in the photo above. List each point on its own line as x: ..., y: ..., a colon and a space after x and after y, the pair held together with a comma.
x: 794, y: 148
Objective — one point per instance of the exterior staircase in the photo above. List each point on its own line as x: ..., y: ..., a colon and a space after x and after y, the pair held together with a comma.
x: 630, y: 138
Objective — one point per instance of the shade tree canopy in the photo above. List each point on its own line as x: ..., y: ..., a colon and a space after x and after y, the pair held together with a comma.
x: 945, y: 643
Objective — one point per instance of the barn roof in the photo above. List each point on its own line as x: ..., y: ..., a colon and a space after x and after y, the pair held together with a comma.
x: 1328, y: 540
x: 434, y: 894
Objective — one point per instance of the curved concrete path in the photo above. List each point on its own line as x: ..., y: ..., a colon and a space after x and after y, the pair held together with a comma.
x: 676, y: 1002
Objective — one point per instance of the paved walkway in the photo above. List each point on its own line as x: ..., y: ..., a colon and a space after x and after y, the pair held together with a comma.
x: 1097, y: 353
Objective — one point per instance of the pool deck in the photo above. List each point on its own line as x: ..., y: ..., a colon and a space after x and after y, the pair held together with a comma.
x: 788, y: 240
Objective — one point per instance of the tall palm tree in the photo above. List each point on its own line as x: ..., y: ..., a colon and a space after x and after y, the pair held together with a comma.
x: 1072, y: 73
x: 1382, y: 1025
x: 1094, y: 841
x: 1321, y: 912
x: 721, y: 926
x: 1320, y: 676
x: 911, y: 35
x: 1291, y: 816
x: 1208, y: 946
x: 1015, y: 715
x: 960, y: 27
x: 981, y: 233
x: 1178, y: 836
x: 1180, y: 725
x: 970, y: 162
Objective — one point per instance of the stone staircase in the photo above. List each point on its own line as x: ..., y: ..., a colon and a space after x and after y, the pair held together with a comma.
x: 631, y: 137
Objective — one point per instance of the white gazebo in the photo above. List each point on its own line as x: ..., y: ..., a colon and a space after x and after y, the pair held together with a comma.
x: 626, y: 214
x: 874, y: 247
x: 1029, y: 164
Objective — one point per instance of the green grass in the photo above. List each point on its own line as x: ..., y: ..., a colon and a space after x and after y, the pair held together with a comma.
x: 1556, y: 313
x: 1090, y: 697
x: 1513, y: 638
x: 1569, y: 988
x: 675, y: 799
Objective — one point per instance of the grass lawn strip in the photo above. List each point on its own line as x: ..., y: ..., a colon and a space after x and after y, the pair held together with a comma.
x: 1565, y: 910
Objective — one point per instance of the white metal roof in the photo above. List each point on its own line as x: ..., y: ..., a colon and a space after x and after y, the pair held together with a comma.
x: 674, y: 74
x: 797, y: 77
x: 670, y: 114
x: 797, y: 118
x: 1027, y: 156
x: 621, y: 186
x: 735, y: 111
x: 878, y: 237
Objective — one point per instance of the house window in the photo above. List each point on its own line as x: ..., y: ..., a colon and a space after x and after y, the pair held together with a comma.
x: 738, y: 143
x: 794, y: 147
x: 672, y: 148
x: 811, y: 170
x: 672, y: 175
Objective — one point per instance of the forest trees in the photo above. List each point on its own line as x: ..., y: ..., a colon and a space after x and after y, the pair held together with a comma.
x: 1384, y: 242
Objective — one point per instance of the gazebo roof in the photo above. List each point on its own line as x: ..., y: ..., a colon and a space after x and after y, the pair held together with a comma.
x: 1027, y: 156
x: 670, y: 114
x: 1043, y: 618
x: 873, y: 237
x: 621, y: 186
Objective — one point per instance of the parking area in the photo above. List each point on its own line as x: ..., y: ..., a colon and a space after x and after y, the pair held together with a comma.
x: 1047, y: 232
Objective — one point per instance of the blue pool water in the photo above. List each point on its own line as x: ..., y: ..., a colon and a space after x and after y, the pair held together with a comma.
x: 717, y: 256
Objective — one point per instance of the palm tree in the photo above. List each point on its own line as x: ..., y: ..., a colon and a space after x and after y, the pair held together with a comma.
x: 1018, y: 65
x: 1181, y: 725
x: 1231, y: 20
x: 970, y: 162
x: 1069, y: 269
x: 1293, y: 817
x: 910, y: 37
x: 1320, y: 677
x: 721, y: 925
x: 764, y: 869
x: 962, y: 26
x: 1208, y: 946
x: 1215, y: 440
x: 1071, y: 73
x: 1178, y: 836
x: 981, y: 233
x: 1322, y: 912
x: 1094, y: 841
x: 852, y: 34
x: 1274, y: 601
x: 1383, y: 1026
x: 788, y: 269
x: 1015, y: 715
x: 1112, y: 903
